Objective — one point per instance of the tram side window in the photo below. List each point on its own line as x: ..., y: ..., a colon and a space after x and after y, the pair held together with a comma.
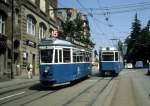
x: 81, y: 56
x: 74, y: 56
x: 56, y: 56
x: 78, y: 56
x: 90, y: 55
x: 87, y: 57
x: 46, y: 56
x: 66, y: 55
x: 116, y: 56
x: 60, y: 56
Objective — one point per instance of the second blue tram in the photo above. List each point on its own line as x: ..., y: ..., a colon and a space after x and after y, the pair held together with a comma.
x: 62, y: 61
x: 110, y: 61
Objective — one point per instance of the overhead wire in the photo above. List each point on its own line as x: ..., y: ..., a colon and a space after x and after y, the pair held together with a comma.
x: 100, y: 7
x: 95, y: 23
x: 118, y: 9
x: 106, y: 11
x: 118, y: 6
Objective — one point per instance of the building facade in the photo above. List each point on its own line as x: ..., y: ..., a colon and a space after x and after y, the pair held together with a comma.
x: 5, y: 39
x: 36, y: 19
x: 33, y: 20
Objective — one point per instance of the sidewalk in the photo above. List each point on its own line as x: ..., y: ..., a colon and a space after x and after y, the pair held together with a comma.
x: 17, y: 83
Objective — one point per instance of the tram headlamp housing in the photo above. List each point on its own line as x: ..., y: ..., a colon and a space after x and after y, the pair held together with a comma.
x: 46, y: 69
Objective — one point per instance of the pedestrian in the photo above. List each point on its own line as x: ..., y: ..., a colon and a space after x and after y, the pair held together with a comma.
x: 17, y: 69
x: 148, y: 71
x: 30, y: 69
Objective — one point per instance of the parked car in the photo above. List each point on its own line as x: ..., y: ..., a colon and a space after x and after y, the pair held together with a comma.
x: 139, y: 64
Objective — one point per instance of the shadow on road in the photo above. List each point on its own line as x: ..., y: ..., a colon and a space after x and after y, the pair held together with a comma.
x: 40, y: 87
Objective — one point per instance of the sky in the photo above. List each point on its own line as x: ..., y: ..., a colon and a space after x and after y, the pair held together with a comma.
x: 104, y: 28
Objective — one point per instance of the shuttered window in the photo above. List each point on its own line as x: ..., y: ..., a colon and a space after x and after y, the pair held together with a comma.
x: 43, y: 5
x: 2, y: 25
x: 30, y: 25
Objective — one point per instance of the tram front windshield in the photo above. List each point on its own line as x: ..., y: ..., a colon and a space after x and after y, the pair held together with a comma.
x: 46, y: 56
x: 107, y: 56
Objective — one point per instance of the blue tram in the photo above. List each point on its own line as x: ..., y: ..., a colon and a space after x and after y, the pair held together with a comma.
x: 110, y: 61
x: 62, y: 61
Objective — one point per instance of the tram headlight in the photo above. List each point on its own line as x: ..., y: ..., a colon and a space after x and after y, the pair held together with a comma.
x: 46, y: 69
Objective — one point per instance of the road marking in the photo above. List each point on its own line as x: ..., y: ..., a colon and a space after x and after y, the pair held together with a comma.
x: 12, y: 95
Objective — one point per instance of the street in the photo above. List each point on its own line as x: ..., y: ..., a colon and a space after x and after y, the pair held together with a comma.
x: 59, y: 42
x: 130, y: 88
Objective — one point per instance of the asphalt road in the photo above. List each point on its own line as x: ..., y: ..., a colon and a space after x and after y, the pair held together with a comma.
x: 130, y: 88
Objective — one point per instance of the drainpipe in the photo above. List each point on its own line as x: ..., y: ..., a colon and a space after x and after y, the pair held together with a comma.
x: 12, y: 41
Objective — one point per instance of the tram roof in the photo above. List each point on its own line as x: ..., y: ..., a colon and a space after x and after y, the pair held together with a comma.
x: 50, y: 42
x: 58, y: 42
x: 109, y: 49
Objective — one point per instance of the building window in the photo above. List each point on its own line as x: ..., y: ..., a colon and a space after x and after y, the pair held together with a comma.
x: 2, y: 25
x: 16, y: 17
x: 42, y: 31
x: 43, y: 5
x: 30, y: 25
x: 51, y: 12
x: 33, y: 1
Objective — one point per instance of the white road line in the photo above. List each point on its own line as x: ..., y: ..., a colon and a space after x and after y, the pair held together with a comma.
x: 11, y: 95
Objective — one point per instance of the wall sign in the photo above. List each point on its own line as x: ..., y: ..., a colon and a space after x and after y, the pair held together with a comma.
x: 31, y: 43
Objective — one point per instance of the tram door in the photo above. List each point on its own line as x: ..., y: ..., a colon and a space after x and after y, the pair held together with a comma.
x: 33, y: 63
x: 58, y: 55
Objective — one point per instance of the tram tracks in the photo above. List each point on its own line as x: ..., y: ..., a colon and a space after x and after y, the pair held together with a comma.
x: 95, y: 88
x: 90, y: 90
x: 27, y: 97
x: 30, y: 95
x: 100, y: 92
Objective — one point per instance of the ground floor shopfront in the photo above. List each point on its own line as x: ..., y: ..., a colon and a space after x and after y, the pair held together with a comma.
x: 5, y: 58
x: 28, y: 55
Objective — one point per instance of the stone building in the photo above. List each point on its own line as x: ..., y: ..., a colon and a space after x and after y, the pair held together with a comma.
x: 5, y: 39
x: 33, y: 20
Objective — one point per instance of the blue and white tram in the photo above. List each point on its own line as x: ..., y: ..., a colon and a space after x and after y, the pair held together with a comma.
x: 62, y: 61
x: 110, y: 61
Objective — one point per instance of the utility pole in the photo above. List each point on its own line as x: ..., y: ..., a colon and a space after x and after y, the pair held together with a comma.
x: 12, y: 41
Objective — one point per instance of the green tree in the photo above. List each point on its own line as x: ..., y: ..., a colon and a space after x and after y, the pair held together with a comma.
x: 68, y: 28
x: 132, y: 40
x: 74, y: 29
x: 143, y: 43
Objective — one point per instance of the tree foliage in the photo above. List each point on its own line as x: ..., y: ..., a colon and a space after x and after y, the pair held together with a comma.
x: 138, y: 42
x: 74, y: 29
